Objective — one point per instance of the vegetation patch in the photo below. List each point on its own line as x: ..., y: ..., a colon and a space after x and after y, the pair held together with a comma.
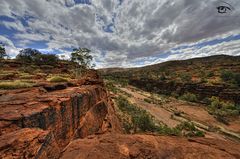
x: 189, y: 97
x: 57, y: 79
x: 140, y: 120
x: 121, y: 81
x: 222, y: 109
x: 188, y: 129
x: 111, y: 87
x: 148, y: 100
x: 230, y: 77
x: 26, y: 76
x: 15, y: 84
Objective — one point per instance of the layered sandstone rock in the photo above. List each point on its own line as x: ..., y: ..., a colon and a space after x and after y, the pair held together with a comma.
x: 29, y: 143
x: 66, y: 114
x: 221, y: 91
x: 78, y: 121
x: 118, y: 146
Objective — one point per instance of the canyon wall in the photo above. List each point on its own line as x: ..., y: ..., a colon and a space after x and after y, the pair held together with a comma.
x: 36, y: 123
x: 201, y: 90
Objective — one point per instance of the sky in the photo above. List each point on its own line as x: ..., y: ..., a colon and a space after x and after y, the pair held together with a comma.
x: 122, y: 33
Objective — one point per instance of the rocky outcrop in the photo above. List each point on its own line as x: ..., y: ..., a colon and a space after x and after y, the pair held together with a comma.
x: 29, y: 143
x: 148, y: 146
x: 78, y: 121
x: 222, y: 91
x: 64, y: 114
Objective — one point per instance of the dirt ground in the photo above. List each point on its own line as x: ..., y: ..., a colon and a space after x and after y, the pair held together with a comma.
x: 196, y: 113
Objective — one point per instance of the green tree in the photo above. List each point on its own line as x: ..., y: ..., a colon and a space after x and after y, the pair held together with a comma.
x: 83, y: 58
x: 2, y: 52
x: 227, y: 75
x: 28, y: 55
x: 34, y: 56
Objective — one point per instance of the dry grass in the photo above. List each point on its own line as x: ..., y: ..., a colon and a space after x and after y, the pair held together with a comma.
x: 15, y: 84
x: 57, y: 79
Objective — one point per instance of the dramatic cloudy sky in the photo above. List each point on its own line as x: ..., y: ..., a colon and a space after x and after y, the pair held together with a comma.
x: 122, y: 32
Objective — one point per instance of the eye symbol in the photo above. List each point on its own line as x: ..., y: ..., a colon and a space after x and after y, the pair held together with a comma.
x: 223, y: 9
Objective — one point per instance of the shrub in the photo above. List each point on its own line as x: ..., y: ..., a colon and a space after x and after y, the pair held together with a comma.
x: 26, y: 76
x: 189, y: 97
x: 144, y: 121
x: 221, y: 110
x: 2, y: 52
x: 57, y: 79
x: 7, y: 75
x: 189, y: 129
x: 110, y: 86
x: 141, y: 120
x: 34, y: 56
x: 147, y: 100
x: 162, y: 77
x: 28, y: 55
x: 15, y: 84
x: 226, y: 75
x: 186, y: 77
x: 230, y: 77
x: 237, y: 78
x: 210, y: 74
x: 47, y: 59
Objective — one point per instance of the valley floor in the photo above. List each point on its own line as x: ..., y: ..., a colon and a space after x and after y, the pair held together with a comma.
x: 171, y: 112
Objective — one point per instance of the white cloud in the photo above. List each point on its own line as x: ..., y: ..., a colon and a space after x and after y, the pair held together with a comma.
x: 141, y: 29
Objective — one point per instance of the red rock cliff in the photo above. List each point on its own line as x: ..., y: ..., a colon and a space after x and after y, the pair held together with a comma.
x: 40, y: 122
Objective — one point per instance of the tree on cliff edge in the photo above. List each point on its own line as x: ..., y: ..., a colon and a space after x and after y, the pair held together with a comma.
x: 83, y: 58
x: 2, y: 52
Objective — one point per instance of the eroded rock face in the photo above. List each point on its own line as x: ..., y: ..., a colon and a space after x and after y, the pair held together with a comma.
x: 147, y: 146
x: 29, y: 143
x: 65, y: 113
x: 45, y: 123
x: 221, y: 91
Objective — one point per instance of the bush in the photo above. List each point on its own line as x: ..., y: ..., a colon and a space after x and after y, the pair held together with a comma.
x: 221, y: 109
x: 189, y: 129
x: 26, y: 76
x: 230, y: 77
x: 237, y: 78
x: 226, y: 75
x: 15, y: 85
x: 141, y: 120
x: 147, y: 100
x: 210, y: 74
x: 57, y: 79
x: 46, y: 59
x: 7, y: 75
x: 110, y: 87
x: 34, y: 56
x: 186, y: 77
x: 189, y: 97
x: 28, y: 55
x: 2, y: 52
x: 144, y: 121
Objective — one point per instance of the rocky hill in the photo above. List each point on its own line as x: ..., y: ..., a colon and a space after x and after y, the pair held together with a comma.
x: 49, y: 113
x: 205, y: 77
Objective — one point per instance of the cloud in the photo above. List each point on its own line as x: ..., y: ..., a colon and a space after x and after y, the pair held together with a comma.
x: 140, y: 30
x: 11, y: 50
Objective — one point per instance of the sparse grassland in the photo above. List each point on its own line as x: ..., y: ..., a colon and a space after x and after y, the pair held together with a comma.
x: 189, y: 97
x: 139, y: 120
x: 15, y: 84
x: 26, y: 76
x: 222, y: 109
x: 57, y: 79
